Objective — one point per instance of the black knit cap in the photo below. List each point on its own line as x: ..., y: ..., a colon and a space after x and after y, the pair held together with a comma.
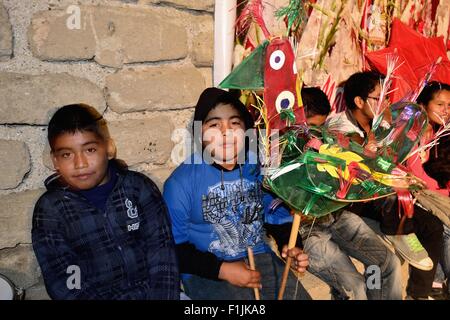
x: 211, y: 97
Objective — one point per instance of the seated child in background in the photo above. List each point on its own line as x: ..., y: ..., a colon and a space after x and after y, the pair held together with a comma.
x: 435, y: 98
x: 435, y: 165
x: 331, y: 240
x: 418, y: 239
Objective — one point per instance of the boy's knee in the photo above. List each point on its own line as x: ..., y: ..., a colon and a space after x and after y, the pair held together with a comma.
x: 392, y: 263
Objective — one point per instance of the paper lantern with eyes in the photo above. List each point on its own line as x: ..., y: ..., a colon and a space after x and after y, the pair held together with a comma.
x: 281, y: 87
x: 271, y: 67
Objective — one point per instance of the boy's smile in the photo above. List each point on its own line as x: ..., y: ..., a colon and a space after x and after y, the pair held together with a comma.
x: 82, y: 159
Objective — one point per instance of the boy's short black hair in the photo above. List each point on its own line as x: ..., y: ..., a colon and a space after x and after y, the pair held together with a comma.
x: 430, y: 90
x: 212, y: 97
x: 360, y: 84
x: 76, y: 117
x: 315, y: 102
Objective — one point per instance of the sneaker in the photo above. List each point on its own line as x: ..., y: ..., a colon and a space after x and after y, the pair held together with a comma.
x: 390, y: 246
x: 440, y: 293
x: 410, y: 249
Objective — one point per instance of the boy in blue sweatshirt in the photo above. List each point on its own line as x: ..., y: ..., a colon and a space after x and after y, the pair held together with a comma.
x: 215, y: 201
x: 100, y: 231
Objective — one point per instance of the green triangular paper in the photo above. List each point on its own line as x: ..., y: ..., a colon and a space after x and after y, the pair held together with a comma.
x: 249, y: 74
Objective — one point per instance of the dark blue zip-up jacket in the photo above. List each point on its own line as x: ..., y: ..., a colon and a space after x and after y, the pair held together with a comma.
x: 124, y: 252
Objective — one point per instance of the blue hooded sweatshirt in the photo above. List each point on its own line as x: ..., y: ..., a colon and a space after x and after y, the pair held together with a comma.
x: 216, y: 210
x: 217, y: 213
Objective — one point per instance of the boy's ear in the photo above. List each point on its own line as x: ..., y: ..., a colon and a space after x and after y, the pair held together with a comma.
x: 54, y: 161
x: 359, y: 102
x: 111, y: 149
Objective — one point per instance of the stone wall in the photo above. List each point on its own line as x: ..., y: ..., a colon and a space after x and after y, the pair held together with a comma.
x: 142, y: 63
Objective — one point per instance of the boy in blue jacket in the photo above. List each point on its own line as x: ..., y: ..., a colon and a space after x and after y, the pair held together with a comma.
x: 215, y: 201
x: 100, y: 231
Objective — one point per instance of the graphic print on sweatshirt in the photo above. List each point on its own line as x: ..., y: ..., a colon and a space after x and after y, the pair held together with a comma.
x: 236, y: 215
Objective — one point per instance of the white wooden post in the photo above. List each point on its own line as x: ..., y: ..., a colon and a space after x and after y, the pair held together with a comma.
x: 224, y: 21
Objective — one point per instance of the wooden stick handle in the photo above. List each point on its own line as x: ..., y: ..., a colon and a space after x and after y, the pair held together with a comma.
x: 251, y: 260
x: 291, y: 244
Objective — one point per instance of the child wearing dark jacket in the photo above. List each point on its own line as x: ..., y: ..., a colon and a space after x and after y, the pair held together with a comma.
x: 100, y: 231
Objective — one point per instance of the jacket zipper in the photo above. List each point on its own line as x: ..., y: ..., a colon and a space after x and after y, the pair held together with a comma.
x: 110, y: 228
